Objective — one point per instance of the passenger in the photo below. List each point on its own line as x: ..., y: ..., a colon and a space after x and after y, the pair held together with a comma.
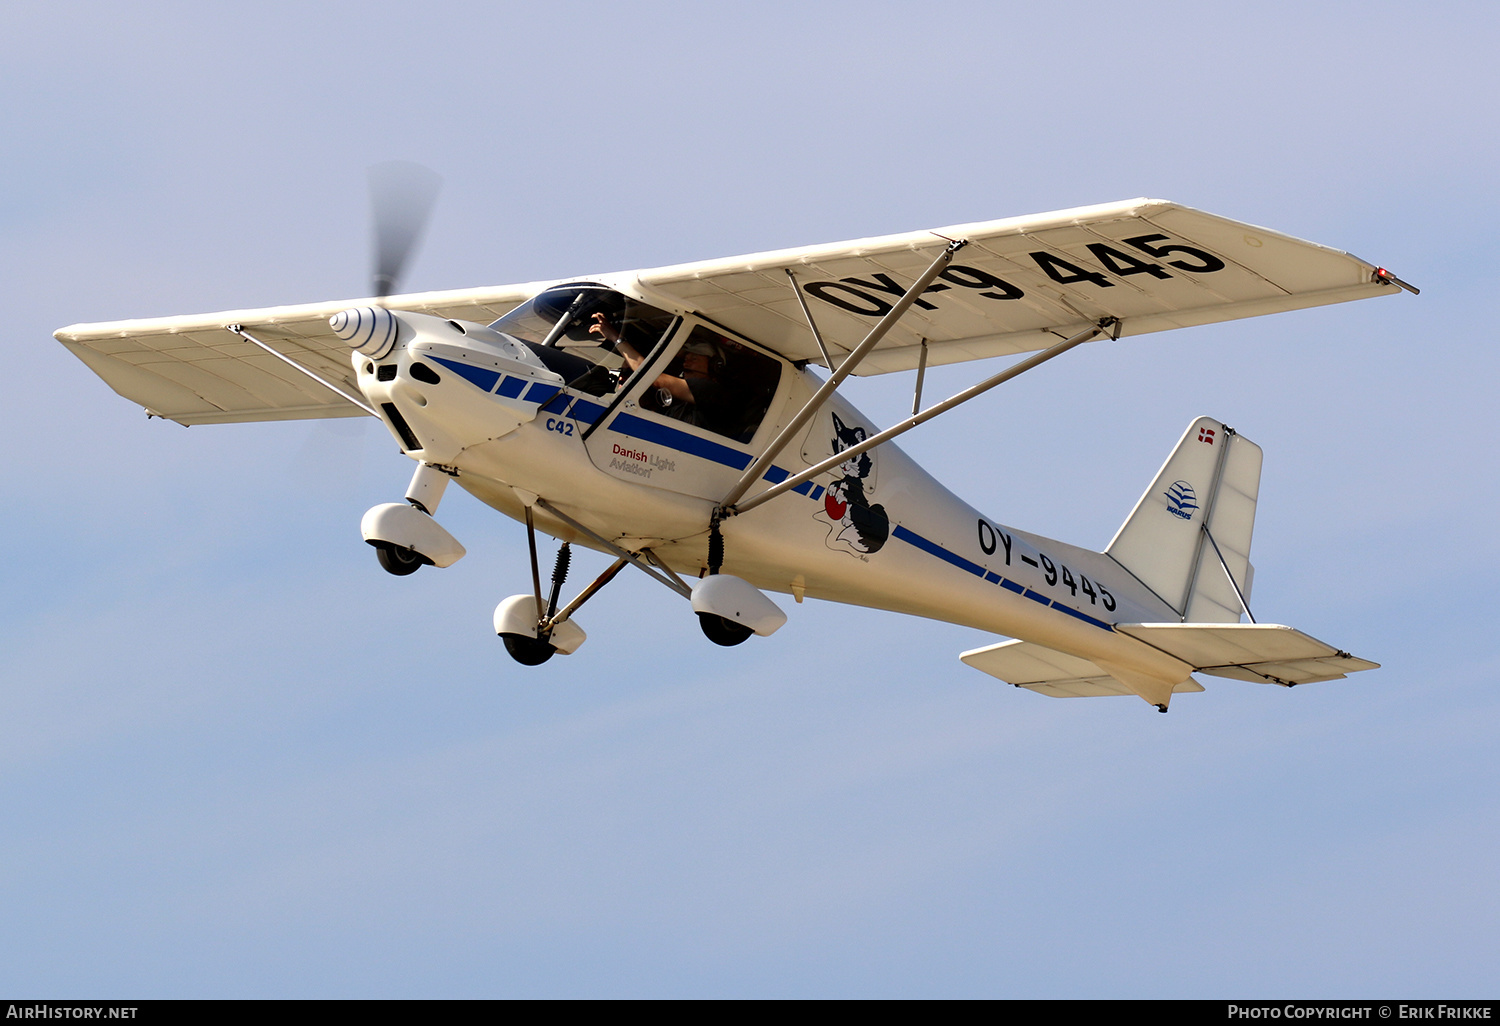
x: 699, y: 396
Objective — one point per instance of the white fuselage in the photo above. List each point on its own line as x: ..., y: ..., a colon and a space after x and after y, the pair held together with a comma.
x: 877, y: 531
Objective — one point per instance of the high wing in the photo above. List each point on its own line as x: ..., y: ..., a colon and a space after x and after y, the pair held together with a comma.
x: 194, y: 371
x: 1021, y: 283
x: 1018, y: 286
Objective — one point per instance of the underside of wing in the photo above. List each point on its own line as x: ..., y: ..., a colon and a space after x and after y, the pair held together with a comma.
x: 1021, y: 283
x: 195, y: 371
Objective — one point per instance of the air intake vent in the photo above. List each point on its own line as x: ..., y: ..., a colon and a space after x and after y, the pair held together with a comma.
x: 408, y: 439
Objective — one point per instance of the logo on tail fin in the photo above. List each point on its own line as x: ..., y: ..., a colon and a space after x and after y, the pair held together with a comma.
x: 1181, y: 500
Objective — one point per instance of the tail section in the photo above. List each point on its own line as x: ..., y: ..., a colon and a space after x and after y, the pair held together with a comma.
x: 1188, y: 539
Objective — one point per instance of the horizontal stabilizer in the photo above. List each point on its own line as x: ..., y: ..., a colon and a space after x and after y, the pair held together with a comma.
x: 1050, y: 672
x: 1259, y: 652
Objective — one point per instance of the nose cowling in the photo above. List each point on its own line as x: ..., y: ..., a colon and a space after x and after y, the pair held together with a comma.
x: 370, y: 330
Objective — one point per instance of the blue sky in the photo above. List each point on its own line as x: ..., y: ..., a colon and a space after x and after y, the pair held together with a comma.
x: 237, y: 759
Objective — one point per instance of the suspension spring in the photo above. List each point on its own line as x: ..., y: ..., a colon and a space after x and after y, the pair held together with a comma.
x: 559, y: 575
x: 715, y: 547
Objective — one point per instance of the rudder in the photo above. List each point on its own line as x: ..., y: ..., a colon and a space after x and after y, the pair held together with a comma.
x: 1211, y: 478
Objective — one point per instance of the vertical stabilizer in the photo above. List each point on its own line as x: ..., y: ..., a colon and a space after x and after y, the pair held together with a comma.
x: 1210, y: 481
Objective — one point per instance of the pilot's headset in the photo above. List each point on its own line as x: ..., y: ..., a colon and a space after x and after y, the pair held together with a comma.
x: 715, y: 353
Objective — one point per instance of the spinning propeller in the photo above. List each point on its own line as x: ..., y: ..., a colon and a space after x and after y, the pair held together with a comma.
x: 402, y: 195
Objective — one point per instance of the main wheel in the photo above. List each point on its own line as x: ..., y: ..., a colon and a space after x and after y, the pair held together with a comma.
x: 526, y: 650
x: 397, y: 560
x: 721, y: 631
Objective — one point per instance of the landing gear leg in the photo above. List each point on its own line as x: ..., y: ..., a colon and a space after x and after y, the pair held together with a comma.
x: 535, y: 649
x: 719, y: 629
x: 712, y: 596
x: 536, y: 573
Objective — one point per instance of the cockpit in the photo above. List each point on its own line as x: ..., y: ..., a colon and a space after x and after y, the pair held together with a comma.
x: 605, y: 344
x: 561, y: 326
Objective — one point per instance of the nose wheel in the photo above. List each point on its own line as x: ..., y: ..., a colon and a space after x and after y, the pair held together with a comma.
x: 404, y: 535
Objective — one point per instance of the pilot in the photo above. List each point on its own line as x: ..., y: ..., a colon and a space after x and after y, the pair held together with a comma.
x: 699, y: 396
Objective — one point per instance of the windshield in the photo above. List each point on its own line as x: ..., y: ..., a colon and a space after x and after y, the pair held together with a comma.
x: 576, y: 329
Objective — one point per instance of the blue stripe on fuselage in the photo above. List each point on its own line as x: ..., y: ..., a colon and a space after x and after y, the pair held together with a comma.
x: 1086, y: 618
x: 541, y: 393
x: 932, y: 548
x: 586, y: 411
x: 477, y: 376
x: 647, y: 431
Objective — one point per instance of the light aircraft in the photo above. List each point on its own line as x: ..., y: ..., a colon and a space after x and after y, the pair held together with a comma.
x: 672, y: 418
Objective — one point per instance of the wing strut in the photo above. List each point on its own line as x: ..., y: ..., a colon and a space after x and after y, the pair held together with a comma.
x: 239, y: 329
x: 816, y: 334
x: 916, y: 394
x: 836, y: 378
x: 1109, y: 324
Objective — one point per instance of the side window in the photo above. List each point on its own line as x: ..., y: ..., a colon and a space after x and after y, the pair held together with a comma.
x: 716, y: 383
